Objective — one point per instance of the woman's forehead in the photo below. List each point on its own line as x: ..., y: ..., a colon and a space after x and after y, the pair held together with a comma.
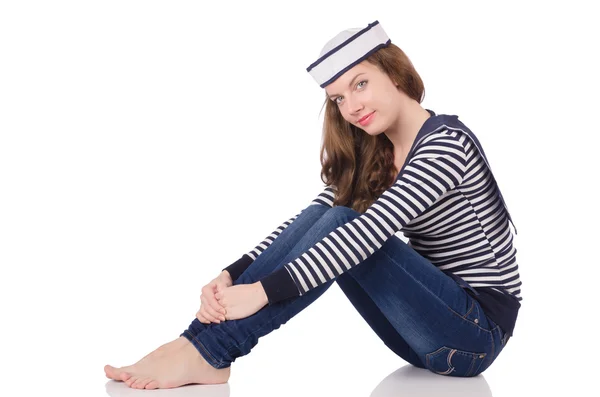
x: 348, y: 77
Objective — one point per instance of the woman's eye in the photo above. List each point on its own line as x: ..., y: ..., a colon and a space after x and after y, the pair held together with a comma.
x: 336, y: 100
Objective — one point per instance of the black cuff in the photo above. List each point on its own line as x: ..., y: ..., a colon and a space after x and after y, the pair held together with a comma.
x: 237, y: 268
x: 279, y: 285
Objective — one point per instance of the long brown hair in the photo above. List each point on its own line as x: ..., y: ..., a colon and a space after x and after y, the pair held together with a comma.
x: 360, y: 167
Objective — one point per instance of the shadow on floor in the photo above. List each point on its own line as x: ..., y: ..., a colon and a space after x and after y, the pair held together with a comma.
x: 418, y: 382
x: 120, y: 389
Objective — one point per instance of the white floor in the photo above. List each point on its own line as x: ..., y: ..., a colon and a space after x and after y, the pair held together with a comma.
x: 311, y: 355
x: 405, y: 381
x: 265, y: 376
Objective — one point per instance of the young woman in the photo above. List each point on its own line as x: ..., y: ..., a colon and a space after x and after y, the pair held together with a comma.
x: 447, y: 301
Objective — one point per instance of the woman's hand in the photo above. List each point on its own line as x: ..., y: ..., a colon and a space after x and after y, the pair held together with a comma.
x: 210, y: 309
x: 242, y: 300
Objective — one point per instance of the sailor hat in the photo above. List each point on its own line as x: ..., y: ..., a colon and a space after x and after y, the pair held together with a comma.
x: 345, y: 50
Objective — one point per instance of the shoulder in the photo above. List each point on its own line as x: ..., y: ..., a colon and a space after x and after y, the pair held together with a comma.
x: 444, y: 139
x: 451, y: 125
x: 445, y: 133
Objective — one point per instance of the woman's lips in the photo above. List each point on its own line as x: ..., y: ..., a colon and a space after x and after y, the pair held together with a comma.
x: 367, y: 120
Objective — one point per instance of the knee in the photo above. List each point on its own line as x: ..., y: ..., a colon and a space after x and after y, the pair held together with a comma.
x: 317, y: 207
x: 341, y: 214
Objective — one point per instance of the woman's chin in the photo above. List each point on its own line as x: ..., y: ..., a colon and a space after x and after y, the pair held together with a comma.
x: 371, y: 131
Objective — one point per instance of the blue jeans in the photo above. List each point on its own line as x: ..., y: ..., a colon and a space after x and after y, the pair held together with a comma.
x: 419, y: 312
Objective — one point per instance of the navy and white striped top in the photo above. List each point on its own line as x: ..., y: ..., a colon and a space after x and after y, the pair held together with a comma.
x: 447, y: 204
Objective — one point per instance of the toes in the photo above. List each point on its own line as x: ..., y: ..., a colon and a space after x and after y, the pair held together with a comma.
x: 141, y: 383
x: 124, y: 376
x: 152, y: 385
x: 130, y: 379
x: 134, y: 385
x: 111, y: 372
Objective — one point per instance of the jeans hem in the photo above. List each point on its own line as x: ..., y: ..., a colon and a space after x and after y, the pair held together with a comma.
x: 203, y: 351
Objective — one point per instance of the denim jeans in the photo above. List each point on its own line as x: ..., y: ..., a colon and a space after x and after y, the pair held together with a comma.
x: 419, y: 312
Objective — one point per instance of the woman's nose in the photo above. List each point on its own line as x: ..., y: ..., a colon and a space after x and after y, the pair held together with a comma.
x: 354, y: 106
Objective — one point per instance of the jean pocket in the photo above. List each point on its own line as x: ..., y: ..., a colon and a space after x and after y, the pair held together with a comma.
x: 454, y: 362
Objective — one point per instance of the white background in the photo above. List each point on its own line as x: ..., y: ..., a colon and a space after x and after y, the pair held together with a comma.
x: 145, y: 145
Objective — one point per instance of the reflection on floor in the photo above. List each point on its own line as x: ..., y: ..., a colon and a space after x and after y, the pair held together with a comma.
x: 406, y: 381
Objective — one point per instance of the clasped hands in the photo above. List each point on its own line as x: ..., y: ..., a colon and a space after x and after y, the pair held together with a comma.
x: 221, y: 300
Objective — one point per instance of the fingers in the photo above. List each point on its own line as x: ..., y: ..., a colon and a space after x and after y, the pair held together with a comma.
x: 207, y: 312
x: 201, y: 318
x: 214, y: 307
x: 206, y: 318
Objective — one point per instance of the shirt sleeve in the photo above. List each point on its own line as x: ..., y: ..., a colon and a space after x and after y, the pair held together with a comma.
x: 238, y: 267
x: 437, y: 166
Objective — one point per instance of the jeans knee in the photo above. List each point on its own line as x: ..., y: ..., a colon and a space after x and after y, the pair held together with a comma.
x: 341, y: 214
x: 317, y: 208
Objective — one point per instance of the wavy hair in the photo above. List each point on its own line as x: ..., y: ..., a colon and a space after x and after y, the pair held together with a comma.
x: 360, y: 167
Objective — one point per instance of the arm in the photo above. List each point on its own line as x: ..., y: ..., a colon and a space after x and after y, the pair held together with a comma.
x: 438, y: 165
x: 237, y: 268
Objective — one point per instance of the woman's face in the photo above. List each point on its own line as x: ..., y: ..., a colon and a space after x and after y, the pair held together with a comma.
x: 366, y: 98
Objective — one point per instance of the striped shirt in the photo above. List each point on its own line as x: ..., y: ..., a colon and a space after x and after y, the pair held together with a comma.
x: 445, y: 201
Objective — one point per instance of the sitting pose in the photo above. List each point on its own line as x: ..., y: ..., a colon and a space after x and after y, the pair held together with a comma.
x: 446, y: 301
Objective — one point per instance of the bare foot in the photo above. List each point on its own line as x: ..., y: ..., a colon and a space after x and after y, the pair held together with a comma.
x: 178, y: 367
x: 115, y: 372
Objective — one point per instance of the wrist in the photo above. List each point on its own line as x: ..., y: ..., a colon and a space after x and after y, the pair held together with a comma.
x: 262, y: 293
x: 225, y: 274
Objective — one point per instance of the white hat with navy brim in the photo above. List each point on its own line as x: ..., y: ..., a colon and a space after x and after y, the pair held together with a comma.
x: 345, y: 50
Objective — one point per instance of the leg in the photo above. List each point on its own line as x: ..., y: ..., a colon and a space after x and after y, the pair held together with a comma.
x: 434, y: 317
x: 267, y: 261
x: 159, y: 362
x: 220, y: 344
x: 376, y: 319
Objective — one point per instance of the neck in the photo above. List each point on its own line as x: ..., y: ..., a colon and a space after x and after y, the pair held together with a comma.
x: 404, y: 130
